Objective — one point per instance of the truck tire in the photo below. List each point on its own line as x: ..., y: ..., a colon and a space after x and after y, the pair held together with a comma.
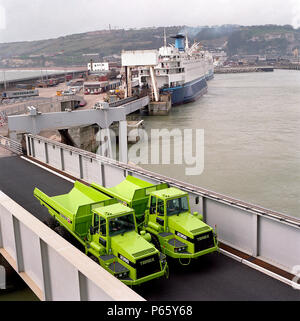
x: 60, y: 230
x: 51, y: 222
x: 155, y: 241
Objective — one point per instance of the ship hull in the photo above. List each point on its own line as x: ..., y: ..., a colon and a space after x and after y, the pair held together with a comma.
x: 210, y: 75
x: 189, y: 92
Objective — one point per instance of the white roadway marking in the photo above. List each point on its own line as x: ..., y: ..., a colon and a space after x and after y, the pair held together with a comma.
x: 260, y: 269
x: 49, y: 170
x: 232, y: 256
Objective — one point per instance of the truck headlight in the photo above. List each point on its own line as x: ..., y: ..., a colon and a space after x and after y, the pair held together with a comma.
x: 122, y: 275
x: 180, y: 249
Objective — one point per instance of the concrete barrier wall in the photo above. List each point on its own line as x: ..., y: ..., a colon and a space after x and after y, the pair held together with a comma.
x: 279, y: 241
x: 256, y: 231
x: 44, y: 105
x: 233, y: 225
x: 11, y: 145
x: 52, y: 267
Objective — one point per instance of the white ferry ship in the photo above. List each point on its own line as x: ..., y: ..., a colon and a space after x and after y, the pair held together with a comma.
x: 182, y: 70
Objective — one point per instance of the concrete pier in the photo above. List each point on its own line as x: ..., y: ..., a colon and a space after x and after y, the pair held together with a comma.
x: 233, y: 70
x: 134, y: 128
x: 162, y: 107
x: 10, y: 84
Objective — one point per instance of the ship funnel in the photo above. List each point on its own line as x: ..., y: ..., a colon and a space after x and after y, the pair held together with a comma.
x: 179, y: 42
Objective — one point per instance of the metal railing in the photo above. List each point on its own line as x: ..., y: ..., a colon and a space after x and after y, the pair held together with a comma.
x: 176, y: 183
x: 121, y: 102
x: 11, y: 145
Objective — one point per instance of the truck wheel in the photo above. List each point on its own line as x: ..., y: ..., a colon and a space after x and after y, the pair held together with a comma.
x: 51, y: 222
x: 60, y: 230
x: 155, y: 241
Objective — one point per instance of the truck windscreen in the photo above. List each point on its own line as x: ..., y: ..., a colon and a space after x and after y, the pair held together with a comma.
x: 177, y: 206
x: 121, y: 225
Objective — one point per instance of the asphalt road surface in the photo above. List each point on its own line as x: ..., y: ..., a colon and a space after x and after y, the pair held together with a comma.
x: 210, y: 278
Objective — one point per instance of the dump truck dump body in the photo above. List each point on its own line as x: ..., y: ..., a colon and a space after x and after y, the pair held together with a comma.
x: 134, y: 193
x: 108, y: 232
x: 74, y: 210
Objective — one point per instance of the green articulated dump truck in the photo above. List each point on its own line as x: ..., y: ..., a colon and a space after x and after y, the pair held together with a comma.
x: 165, y: 213
x: 108, y: 231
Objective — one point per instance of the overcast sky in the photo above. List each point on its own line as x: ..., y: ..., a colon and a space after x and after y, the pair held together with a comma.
x: 42, y: 19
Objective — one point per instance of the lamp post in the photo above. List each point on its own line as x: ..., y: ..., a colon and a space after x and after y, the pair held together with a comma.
x: 73, y: 67
x: 4, y: 79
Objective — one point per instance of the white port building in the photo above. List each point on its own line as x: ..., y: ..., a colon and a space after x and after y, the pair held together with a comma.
x: 98, y: 66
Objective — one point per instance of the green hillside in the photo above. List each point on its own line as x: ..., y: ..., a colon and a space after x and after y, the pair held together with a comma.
x: 72, y: 50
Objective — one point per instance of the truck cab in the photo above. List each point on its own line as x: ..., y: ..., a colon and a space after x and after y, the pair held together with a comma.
x: 180, y: 233
x: 115, y: 241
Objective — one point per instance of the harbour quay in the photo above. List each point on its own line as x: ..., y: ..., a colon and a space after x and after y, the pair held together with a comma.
x: 12, y: 83
x: 233, y: 70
